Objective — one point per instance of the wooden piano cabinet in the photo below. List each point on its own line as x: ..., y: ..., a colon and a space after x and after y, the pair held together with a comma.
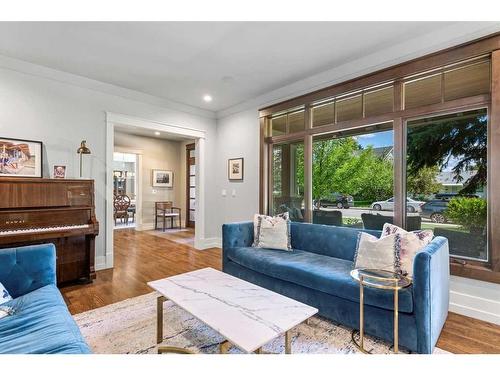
x: 62, y: 212
x: 72, y: 263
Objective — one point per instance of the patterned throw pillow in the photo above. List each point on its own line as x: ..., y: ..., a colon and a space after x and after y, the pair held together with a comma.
x: 272, y: 232
x: 4, y: 295
x: 409, y: 245
x: 377, y: 253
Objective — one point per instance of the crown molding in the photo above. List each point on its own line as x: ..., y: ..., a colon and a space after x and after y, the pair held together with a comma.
x: 41, y: 71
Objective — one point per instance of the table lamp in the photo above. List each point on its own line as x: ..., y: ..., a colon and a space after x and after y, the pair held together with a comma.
x: 83, y: 149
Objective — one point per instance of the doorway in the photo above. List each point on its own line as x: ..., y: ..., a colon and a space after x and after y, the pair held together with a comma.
x: 153, y: 128
x: 190, y: 185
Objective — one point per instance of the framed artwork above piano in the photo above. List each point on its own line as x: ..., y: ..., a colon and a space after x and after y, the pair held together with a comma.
x: 59, y: 211
x: 20, y: 158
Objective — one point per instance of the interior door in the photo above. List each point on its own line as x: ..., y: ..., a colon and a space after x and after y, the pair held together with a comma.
x: 190, y: 185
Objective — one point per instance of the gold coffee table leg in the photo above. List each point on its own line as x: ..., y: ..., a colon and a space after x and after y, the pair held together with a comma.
x: 258, y: 351
x: 396, y: 320
x: 288, y: 343
x: 174, y: 350
x: 224, y: 347
x: 159, y: 331
x: 159, y: 319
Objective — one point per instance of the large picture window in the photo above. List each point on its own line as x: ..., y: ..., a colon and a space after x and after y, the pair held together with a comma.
x: 447, y: 175
x: 410, y: 145
x: 353, y: 177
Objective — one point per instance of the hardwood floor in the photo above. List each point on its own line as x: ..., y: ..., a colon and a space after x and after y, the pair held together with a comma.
x: 139, y: 258
x: 144, y: 256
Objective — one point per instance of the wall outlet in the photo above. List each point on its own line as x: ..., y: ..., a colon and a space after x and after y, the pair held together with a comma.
x: 233, y: 193
x: 224, y: 192
x: 153, y: 191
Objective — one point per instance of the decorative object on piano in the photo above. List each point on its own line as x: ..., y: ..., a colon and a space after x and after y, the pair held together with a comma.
x: 20, y: 158
x: 163, y: 178
x: 83, y: 149
x: 59, y: 171
x: 235, y: 169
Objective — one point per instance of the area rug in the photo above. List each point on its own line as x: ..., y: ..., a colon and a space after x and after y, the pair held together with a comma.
x: 129, y: 327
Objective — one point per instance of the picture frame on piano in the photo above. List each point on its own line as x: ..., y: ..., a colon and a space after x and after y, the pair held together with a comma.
x: 59, y: 171
x: 20, y: 158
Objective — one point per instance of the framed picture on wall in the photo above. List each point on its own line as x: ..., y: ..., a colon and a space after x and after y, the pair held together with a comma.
x: 235, y: 169
x: 59, y: 171
x: 163, y: 178
x: 20, y: 158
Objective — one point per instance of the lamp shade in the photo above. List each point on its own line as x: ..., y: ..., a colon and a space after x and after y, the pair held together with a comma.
x: 83, y: 149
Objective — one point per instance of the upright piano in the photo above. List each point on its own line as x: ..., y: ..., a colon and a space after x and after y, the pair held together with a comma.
x: 62, y: 212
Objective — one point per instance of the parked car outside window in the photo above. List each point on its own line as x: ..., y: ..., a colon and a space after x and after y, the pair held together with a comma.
x: 435, y: 210
x: 336, y: 200
x: 388, y: 205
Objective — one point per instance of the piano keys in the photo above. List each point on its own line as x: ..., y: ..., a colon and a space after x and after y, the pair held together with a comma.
x: 62, y: 212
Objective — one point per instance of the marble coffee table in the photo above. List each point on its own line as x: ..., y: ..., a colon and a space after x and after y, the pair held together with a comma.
x: 247, y: 315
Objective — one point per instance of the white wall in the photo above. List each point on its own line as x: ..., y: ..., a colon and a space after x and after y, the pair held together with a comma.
x: 61, y: 114
x: 238, y: 136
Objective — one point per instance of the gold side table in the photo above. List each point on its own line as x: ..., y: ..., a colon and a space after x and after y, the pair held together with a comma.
x: 379, y: 279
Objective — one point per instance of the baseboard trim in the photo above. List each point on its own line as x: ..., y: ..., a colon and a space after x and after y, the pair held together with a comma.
x: 213, y: 242
x: 475, y: 307
x: 207, y: 243
x: 100, y: 263
x: 151, y: 226
x: 148, y: 226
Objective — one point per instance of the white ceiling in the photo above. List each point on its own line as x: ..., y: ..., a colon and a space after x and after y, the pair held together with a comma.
x: 182, y: 61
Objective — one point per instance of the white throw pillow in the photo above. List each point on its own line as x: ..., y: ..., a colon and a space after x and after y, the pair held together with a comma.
x: 284, y: 215
x: 4, y: 294
x: 377, y: 253
x: 409, y: 245
x: 272, y: 232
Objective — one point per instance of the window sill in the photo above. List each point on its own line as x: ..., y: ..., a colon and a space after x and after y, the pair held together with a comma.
x: 475, y: 271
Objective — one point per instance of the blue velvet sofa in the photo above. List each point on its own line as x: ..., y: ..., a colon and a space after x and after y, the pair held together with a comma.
x: 39, y: 321
x: 317, y: 272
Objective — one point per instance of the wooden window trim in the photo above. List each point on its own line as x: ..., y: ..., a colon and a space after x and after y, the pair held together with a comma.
x: 395, y: 75
x: 457, y: 104
x: 478, y: 47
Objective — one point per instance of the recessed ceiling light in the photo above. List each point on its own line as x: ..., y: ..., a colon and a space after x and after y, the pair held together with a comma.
x: 157, y: 133
x: 207, y: 98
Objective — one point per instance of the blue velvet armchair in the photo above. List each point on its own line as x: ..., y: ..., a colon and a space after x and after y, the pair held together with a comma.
x: 38, y: 320
x: 317, y: 272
